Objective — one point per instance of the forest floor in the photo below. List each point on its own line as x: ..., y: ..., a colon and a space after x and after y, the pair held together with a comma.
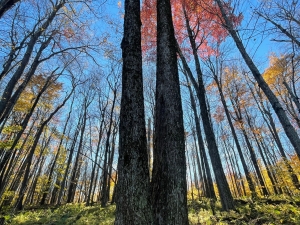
x: 264, y: 211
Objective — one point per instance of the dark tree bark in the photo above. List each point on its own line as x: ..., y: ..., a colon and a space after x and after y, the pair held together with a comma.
x: 169, y: 186
x: 133, y: 187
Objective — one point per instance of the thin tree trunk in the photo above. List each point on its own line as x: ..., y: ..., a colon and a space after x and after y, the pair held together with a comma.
x: 77, y: 164
x: 224, y: 190
x: 93, y: 177
x: 6, y: 96
x: 239, y: 149
x: 49, y: 180
x: 209, y: 187
x: 19, y: 204
x: 104, y: 194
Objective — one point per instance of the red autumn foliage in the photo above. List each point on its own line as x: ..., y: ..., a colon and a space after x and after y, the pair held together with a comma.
x: 204, y: 19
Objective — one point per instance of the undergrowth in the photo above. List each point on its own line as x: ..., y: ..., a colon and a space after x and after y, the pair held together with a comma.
x: 264, y: 211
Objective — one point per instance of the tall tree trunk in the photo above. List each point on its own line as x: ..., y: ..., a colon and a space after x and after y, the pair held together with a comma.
x: 224, y: 190
x: 169, y: 186
x: 6, y: 96
x: 111, y: 159
x: 69, y: 161
x: 133, y: 187
x: 12, y: 150
x: 272, y: 127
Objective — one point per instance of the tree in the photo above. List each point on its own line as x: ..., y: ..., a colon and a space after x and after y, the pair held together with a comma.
x: 133, y: 187
x: 287, y: 126
x: 284, y: 70
x: 218, y: 81
x: 283, y: 16
x: 28, y: 160
x: 169, y: 187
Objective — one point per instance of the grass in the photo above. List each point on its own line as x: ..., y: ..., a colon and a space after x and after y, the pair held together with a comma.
x: 64, y: 215
x: 261, y: 212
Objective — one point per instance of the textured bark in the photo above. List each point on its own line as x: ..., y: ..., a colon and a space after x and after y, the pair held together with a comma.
x: 286, y: 124
x: 169, y: 186
x: 133, y: 187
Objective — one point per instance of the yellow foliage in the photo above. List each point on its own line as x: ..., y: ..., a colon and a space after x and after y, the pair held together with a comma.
x: 274, y: 74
